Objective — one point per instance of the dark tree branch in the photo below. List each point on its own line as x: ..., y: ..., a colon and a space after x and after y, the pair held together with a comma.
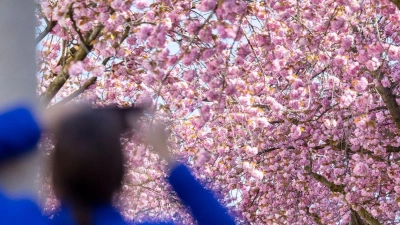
x: 363, y: 213
x: 355, y: 219
x: 76, y: 29
x: 396, y: 2
x: 84, y: 87
x: 388, y: 98
x: 393, y: 149
x: 46, y: 31
x: 330, y: 185
x: 63, y: 76
x: 317, y: 219
x: 368, y: 217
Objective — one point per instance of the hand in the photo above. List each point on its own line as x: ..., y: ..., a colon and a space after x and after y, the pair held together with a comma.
x: 158, y: 138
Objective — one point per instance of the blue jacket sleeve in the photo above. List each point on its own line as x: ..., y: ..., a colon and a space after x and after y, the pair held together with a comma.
x: 205, y: 208
x: 20, y: 212
x: 19, y: 132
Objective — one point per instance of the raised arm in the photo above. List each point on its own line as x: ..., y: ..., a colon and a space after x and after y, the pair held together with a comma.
x: 204, y: 206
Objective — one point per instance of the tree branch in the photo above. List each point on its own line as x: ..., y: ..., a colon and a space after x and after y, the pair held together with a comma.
x: 368, y: 217
x: 355, y: 219
x: 396, y: 2
x: 332, y: 187
x: 388, y: 98
x: 63, y: 76
x: 340, y: 189
x: 46, y: 31
x: 85, y: 86
x: 76, y: 29
x: 317, y: 219
x: 393, y: 149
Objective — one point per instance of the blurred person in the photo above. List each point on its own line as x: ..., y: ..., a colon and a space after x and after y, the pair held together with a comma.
x: 87, y: 167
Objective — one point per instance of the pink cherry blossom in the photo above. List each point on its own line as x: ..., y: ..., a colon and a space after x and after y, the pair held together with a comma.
x: 76, y: 68
x: 141, y: 4
x: 361, y: 169
x: 361, y: 85
x: 251, y: 151
x: 372, y: 64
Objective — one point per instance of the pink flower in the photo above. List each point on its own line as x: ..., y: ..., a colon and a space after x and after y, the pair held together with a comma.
x: 243, y: 50
x: 247, y: 165
x: 275, y: 106
x: 347, y: 41
x: 131, y: 40
x: 276, y: 65
x: 347, y: 98
x: 257, y: 174
x: 141, y: 4
x: 245, y: 100
x: 98, y: 70
x: 208, y: 143
x: 172, y: 60
x: 193, y: 26
x: 372, y: 64
x: 212, y: 95
x: 239, y: 8
x: 330, y: 123
x: 202, y: 157
x: 150, y: 15
x: 361, y: 85
x: 337, y: 23
x: 361, y: 169
x: 393, y: 51
x: 163, y: 55
x: 144, y: 32
x: 144, y: 100
x: 206, y: 77
x: 339, y: 61
x: 295, y: 131
x: 76, y: 68
x: 207, y: 54
x: 222, y: 31
x: 205, y: 112
x: 205, y: 34
x: 189, y: 75
x: 333, y: 81
x: 148, y: 79
x: 262, y: 122
x: 190, y: 57
x: 251, y: 151
x: 353, y: 68
x: 119, y: 5
x: 385, y: 82
x: 230, y: 90
x: 206, y: 5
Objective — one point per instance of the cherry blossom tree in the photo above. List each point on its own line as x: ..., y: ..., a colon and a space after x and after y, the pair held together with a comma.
x: 288, y: 110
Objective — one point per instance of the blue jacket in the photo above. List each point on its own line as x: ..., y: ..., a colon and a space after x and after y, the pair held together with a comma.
x: 19, y: 133
x: 19, y: 212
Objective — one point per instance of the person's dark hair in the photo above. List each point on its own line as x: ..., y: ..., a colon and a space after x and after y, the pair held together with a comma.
x: 87, y: 163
